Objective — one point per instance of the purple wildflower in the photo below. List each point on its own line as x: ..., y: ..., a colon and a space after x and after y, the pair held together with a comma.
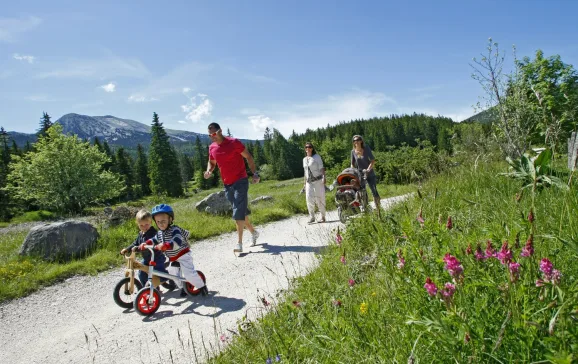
x: 490, y: 252
x: 278, y: 358
x: 351, y: 282
x: 336, y: 303
x: 514, y: 271
x: 420, y: 218
x: 528, y: 249
x: 479, y: 254
x: 268, y: 361
x: 449, y: 224
x: 448, y: 290
x: 556, y: 277
x: 505, y: 254
x: 469, y: 249
x: 539, y: 282
x: 342, y: 259
x: 546, y: 267
x: 453, y: 265
x: 531, y: 217
x: 430, y: 287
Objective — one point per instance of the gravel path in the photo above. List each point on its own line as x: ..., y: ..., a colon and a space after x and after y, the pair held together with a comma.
x: 77, y: 321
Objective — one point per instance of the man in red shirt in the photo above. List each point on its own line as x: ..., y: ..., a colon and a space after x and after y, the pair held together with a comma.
x: 228, y: 154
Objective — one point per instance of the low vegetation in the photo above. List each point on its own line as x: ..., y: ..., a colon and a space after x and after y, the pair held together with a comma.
x: 469, y: 270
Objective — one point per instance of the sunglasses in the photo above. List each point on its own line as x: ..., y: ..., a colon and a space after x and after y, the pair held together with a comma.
x: 356, y: 140
x: 308, y: 147
x: 215, y: 133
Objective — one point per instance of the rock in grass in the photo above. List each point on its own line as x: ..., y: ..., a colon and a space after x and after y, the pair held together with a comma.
x: 60, y: 241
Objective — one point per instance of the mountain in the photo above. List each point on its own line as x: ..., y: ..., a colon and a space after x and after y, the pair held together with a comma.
x: 483, y: 117
x: 116, y: 131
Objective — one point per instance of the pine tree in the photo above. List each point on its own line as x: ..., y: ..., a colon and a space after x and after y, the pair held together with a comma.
x: 200, y: 164
x: 4, y: 161
x: 164, y: 170
x: 267, y: 152
x: 258, y: 155
x: 27, y: 147
x: 14, y: 149
x: 97, y: 144
x: 142, y: 179
x: 45, y: 124
x: 124, y: 169
x: 108, y: 166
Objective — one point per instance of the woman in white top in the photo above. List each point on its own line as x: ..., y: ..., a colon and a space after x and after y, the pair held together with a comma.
x: 314, y: 182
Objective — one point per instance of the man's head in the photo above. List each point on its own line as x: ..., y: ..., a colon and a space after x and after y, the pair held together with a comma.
x: 215, y: 132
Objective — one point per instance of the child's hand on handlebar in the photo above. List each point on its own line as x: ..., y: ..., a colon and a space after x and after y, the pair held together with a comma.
x: 160, y: 247
x: 122, y: 252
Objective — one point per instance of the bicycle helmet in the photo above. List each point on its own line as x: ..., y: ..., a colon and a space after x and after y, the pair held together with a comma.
x: 163, y: 209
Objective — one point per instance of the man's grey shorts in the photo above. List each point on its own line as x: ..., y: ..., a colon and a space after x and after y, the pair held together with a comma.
x: 237, y: 194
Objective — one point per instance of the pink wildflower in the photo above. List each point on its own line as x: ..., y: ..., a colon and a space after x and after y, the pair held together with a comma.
x: 351, y: 282
x: 336, y: 303
x: 514, y: 271
x: 223, y: 338
x: 453, y: 265
x: 430, y: 287
x: 531, y: 217
x: 401, y: 260
x: 342, y: 259
x: 338, y: 238
x: 539, y: 282
x: 448, y: 290
x: 556, y: 277
x: 265, y: 302
x: 490, y: 252
x: 546, y: 267
x: 479, y: 254
x: 505, y: 254
x: 469, y: 249
x: 420, y: 218
x: 449, y: 224
x: 528, y: 249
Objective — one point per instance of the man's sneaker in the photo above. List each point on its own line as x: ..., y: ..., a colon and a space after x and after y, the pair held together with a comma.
x: 239, y: 248
x: 254, y: 238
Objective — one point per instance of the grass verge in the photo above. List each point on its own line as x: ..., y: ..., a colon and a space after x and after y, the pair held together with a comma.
x: 371, y: 301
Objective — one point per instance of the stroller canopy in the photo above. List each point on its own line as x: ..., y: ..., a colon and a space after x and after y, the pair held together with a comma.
x: 347, y: 175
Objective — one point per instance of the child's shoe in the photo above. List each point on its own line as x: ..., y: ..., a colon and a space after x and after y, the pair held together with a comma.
x: 204, y: 291
x: 183, y: 293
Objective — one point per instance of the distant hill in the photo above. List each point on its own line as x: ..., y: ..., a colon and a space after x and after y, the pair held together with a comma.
x: 116, y: 131
x: 484, y: 117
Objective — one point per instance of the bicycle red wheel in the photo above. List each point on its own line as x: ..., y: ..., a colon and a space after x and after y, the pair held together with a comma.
x: 146, y: 304
x: 192, y: 290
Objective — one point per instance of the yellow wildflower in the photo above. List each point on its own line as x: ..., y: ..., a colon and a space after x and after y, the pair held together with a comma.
x: 363, y: 308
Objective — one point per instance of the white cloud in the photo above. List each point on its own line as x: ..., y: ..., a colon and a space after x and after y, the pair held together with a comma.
x: 198, y: 108
x: 181, y: 122
x: 186, y: 90
x: 141, y: 98
x: 109, y: 87
x: 261, y: 122
x: 354, y: 104
x: 22, y: 57
x: 11, y: 27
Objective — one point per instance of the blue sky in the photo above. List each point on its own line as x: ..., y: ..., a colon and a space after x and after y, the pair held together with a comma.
x: 289, y: 65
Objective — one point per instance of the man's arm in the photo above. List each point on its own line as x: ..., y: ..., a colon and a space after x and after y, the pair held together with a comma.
x: 245, y: 153
x: 210, y: 167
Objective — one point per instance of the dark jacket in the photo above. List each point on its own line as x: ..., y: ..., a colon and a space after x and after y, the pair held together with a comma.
x: 141, y: 238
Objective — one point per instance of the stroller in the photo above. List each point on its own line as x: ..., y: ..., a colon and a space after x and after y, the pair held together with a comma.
x: 351, y: 195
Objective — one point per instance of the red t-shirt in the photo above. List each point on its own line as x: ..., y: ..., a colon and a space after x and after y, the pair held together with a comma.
x: 229, y: 159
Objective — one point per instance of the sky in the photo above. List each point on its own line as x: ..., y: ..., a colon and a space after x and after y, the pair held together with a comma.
x: 248, y: 65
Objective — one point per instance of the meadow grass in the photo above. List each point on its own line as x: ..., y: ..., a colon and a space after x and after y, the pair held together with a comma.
x: 23, y: 275
x: 367, y: 301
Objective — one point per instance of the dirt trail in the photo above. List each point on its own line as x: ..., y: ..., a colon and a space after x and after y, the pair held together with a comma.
x: 77, y: 321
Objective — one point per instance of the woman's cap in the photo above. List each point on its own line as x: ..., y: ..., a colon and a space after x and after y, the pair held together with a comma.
x: 356, y: 138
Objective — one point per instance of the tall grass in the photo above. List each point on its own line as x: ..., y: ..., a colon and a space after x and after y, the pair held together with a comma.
x: 367, y: 301
x: 23, y: 275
